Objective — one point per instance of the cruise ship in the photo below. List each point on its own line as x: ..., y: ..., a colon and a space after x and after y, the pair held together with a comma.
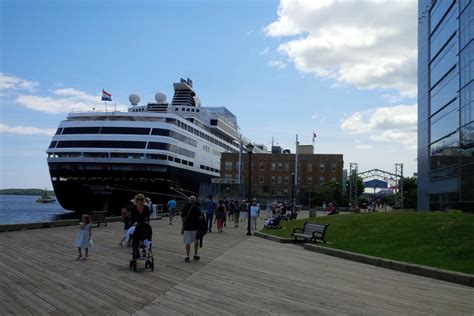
x: 100, y: 160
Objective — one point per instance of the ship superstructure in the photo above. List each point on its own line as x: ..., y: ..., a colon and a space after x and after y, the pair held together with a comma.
x: 100, y: 160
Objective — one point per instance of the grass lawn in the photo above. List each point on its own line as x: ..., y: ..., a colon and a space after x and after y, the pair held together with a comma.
x: 440, y: 240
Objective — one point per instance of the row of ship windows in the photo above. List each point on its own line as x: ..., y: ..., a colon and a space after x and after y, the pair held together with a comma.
x: 187, y: 109
x: 283, y: 180
x: 207, y: 148
x: 121, y: 144
x: 282, y: 166
x: 121, y: 155
x: 200, y: 134
x: 203, y: 167
x: 127, y: 131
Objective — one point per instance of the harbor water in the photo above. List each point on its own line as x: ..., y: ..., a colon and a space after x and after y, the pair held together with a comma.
x: 16, y: 209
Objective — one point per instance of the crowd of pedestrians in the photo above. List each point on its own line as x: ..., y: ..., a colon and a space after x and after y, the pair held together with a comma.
x: 198, y: 217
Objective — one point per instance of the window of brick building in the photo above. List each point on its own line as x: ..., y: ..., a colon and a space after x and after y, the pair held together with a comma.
x: 333, y: 167
x: 287, y: 166
x: 273, y: 166
x: 321, y: 167
x: 280, y: 166
x: 285, y: 179
x: 262, y: 166
x: 309, y: 180
x: 279, y: 180
x: 262, y: 179
x: 310, y: 166
x: 321, y: 180
x: 228, y: 165
x: 273, y: 179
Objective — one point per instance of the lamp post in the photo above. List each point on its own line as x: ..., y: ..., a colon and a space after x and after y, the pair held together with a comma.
x: 292, y: 192
x: 249, y: 151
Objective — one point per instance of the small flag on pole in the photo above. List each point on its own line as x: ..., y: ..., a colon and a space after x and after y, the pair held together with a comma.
x: 314, y: 136
x: 106, y: 96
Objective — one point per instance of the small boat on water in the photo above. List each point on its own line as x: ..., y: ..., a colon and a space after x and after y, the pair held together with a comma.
x: 45, y: 198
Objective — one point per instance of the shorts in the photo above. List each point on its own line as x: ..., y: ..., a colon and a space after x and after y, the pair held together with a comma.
x: 172, y: 211
x: 189, y: 236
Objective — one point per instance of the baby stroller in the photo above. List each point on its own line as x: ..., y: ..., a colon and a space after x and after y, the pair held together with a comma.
x: 141, y: 247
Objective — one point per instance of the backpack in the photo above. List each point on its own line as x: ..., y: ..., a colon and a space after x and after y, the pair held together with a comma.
x: 202, y: 230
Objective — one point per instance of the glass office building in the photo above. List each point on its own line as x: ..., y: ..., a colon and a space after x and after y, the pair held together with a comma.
x: 445, y: 105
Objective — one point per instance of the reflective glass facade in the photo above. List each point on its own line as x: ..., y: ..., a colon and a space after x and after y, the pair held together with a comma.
x: 446, y: 104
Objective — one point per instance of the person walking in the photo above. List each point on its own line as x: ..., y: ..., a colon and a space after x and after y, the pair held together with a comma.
x: 253, y: 215
x: 210, y: 210
x: 236, y: 214
x: 243, y: 211
x: 191, y: 215
x: 171, y: 209
x: 140, y: 212
x: 220, y: 216
x: 83, y: 238
x: 230, y: 210
x: 126, y: 224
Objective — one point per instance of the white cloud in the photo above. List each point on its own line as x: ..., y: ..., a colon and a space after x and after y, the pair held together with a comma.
x: 278, y: 64
x: 363, y: 43
x: 385, y: 124
x: 10, y: 83
x: 69, y: 99
x: 26, y: 130
x: 76, y: 94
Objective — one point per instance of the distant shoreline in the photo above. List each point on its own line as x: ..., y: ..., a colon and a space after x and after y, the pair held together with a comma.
x: 25, y: 192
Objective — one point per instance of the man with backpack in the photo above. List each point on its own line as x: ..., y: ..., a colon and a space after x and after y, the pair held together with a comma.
x: 192, y: 217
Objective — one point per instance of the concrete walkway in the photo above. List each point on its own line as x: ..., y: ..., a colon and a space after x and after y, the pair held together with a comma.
x: 236, y: 275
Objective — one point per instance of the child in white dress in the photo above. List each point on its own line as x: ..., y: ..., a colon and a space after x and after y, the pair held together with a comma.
x: 83, y: 238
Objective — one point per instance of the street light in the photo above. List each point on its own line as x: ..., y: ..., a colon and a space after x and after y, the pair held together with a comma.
x: 249, y: 150
x: 292, y: 192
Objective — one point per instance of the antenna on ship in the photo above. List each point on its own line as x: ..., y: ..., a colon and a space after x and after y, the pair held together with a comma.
x: 134, y: 99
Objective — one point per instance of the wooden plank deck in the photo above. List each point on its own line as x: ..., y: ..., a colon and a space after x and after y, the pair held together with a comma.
x: 236, y: 275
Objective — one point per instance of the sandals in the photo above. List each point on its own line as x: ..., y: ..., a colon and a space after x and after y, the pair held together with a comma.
x: 196, y: 257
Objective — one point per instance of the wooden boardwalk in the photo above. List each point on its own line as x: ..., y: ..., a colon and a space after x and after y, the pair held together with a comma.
x: 236, y: 275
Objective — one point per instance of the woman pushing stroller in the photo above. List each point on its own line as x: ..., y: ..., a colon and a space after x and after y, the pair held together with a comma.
x: 141, y: 238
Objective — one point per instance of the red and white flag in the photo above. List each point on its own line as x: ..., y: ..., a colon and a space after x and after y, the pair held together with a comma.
x: 106, y: 96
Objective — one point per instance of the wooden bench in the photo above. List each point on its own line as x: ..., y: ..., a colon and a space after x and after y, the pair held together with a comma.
x: 311, y: 231
x: 99, y: 217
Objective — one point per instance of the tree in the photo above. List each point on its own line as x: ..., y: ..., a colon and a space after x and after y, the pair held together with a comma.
x: 331, y: 192
x: 409, y: 192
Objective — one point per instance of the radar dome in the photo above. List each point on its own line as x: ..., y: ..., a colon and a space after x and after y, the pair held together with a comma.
x: 134, y: 99
x: 160, y: 97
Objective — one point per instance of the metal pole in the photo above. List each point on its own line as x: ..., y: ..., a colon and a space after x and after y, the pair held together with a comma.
x: 241, y: 193
x: 250, y: 193
x: 292, y: 192
x: 295, y: 178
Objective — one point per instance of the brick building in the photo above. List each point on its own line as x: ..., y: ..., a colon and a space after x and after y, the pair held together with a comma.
x: 272, y: 173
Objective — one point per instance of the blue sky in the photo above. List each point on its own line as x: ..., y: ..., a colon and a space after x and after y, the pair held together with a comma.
x: 283, y: 68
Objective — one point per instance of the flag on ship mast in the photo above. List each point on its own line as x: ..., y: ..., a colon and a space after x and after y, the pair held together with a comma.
x: 106, y: 96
